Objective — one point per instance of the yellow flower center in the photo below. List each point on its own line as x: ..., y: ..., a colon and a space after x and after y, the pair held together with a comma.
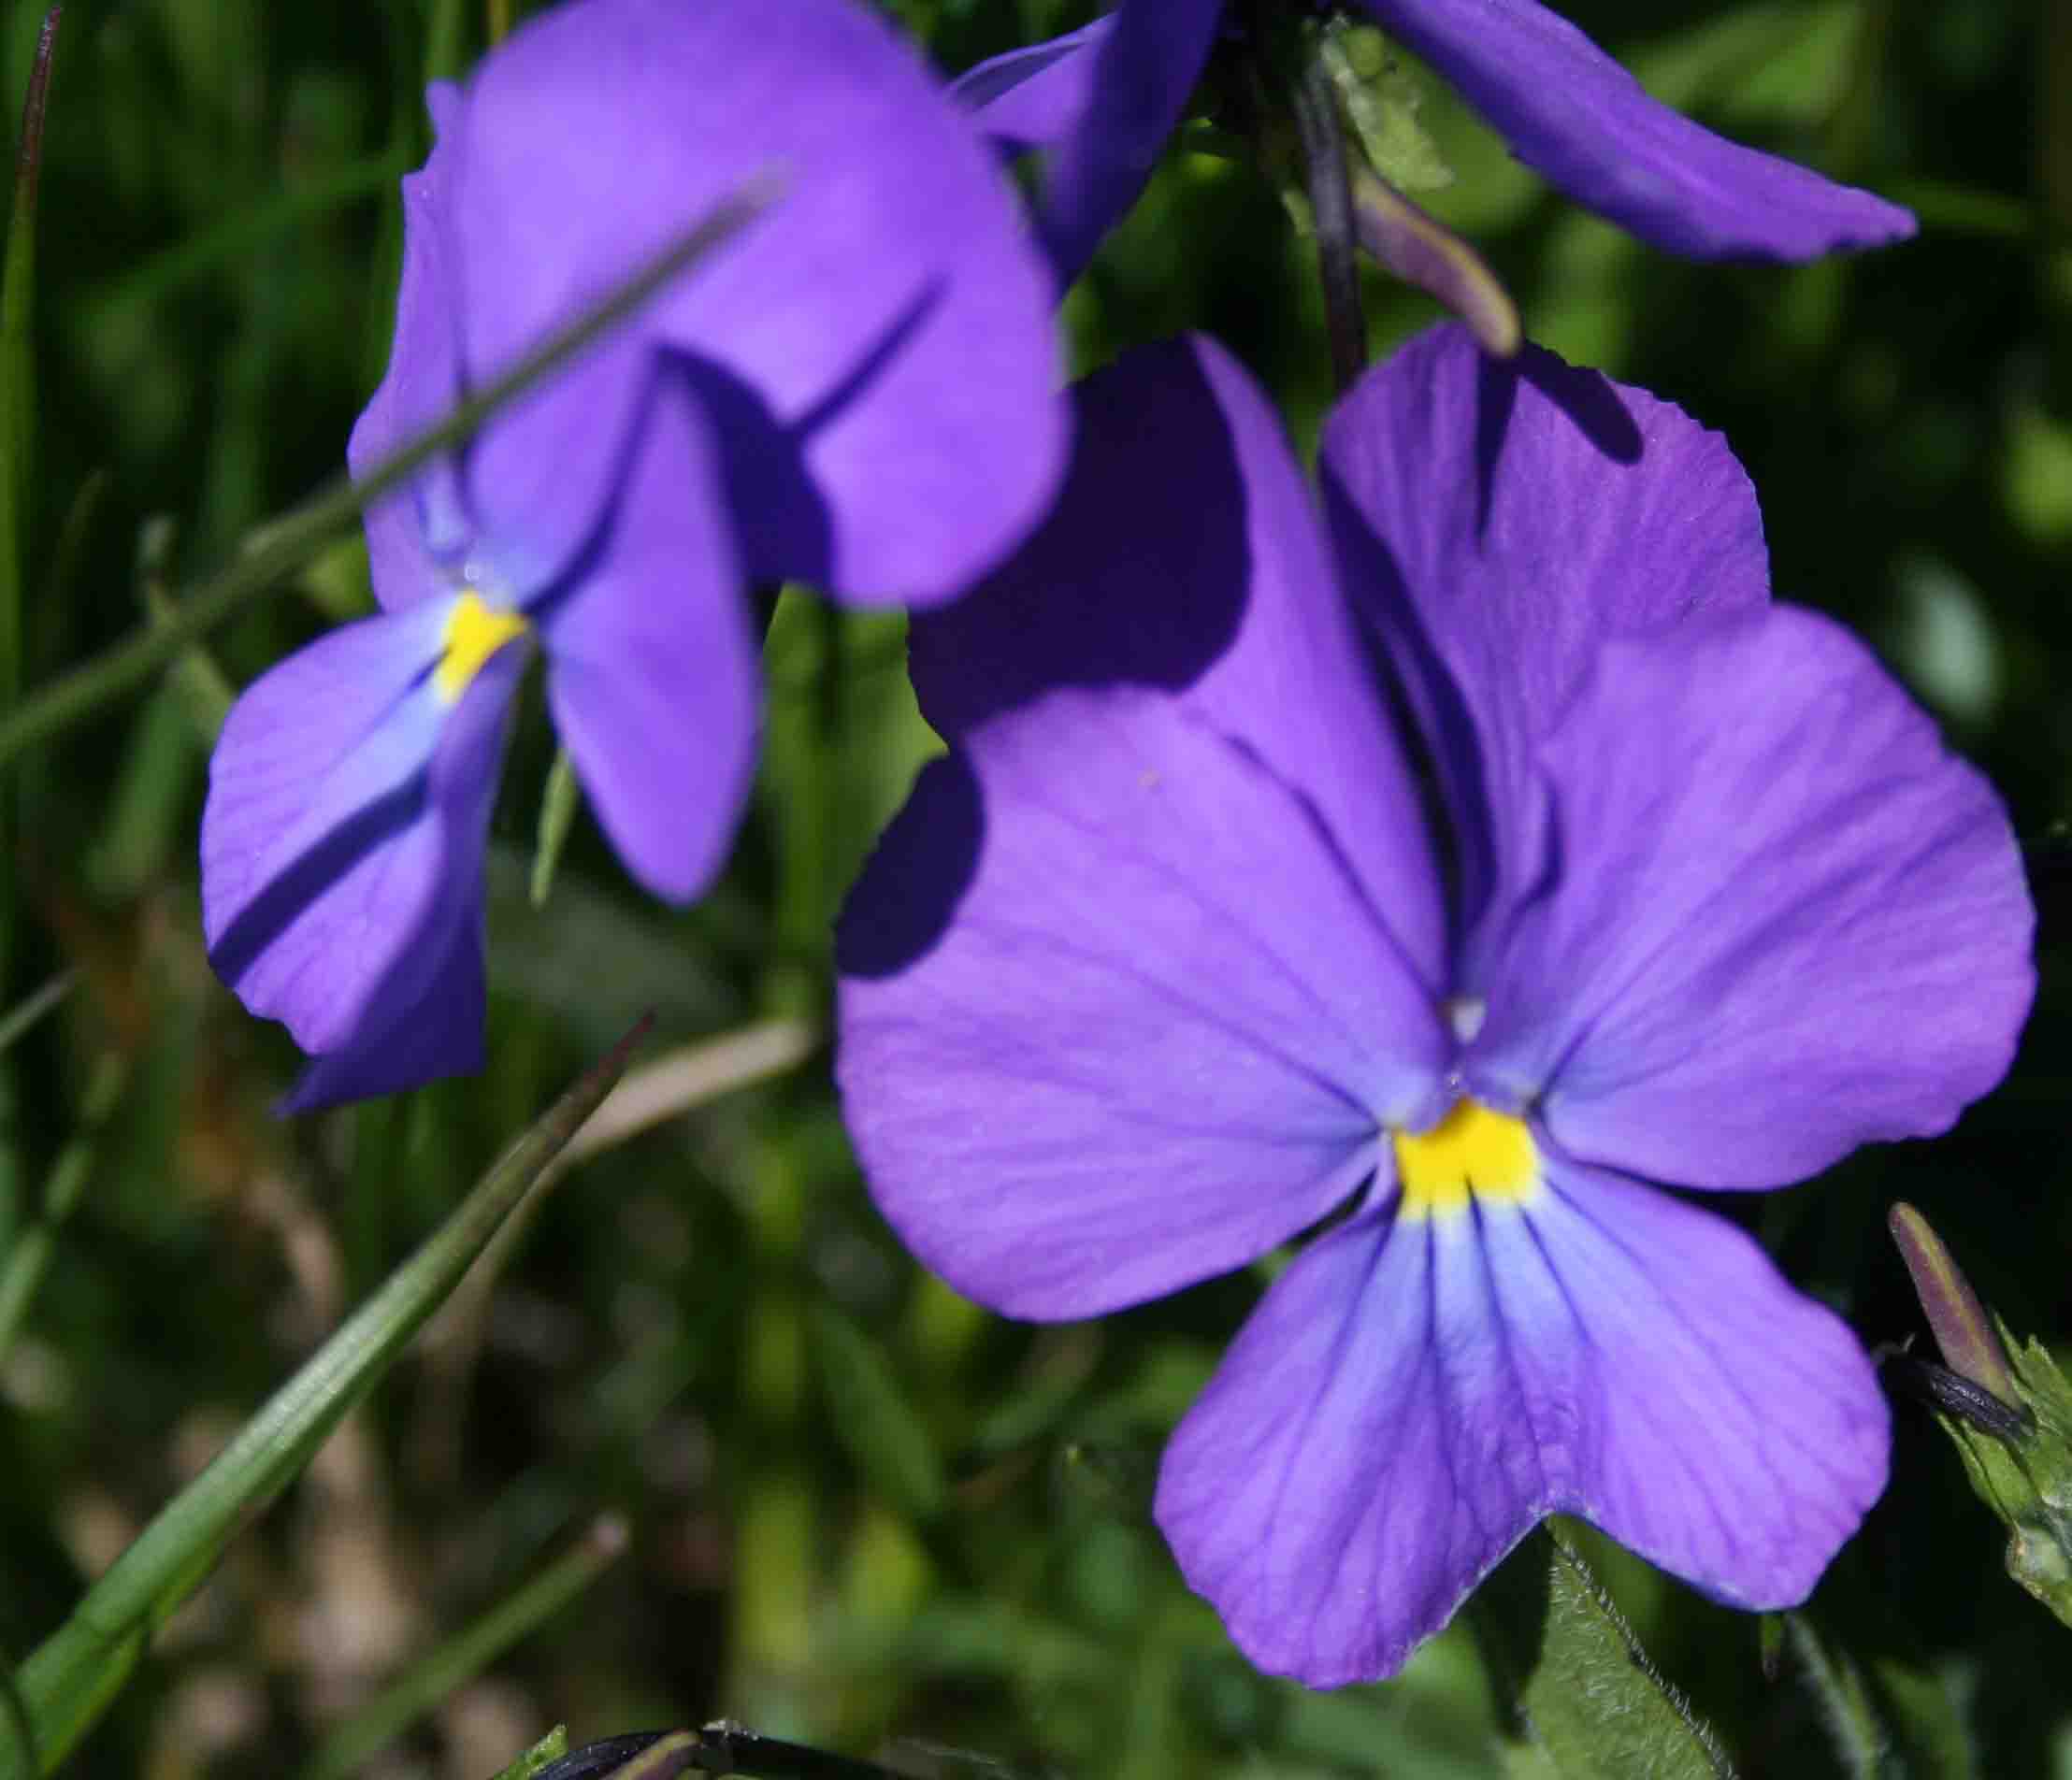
x: 1470, y: 1153
x: 474, y: 632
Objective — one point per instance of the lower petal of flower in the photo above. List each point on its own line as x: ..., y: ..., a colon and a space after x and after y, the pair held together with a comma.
x: 341, y: 839
x: 1417, y: 1391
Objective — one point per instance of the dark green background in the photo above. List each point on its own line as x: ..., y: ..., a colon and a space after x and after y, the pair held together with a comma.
x: 862, y: 1509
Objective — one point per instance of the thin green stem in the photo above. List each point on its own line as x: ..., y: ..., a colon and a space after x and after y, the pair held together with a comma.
x: 460, y: 1659
x: 21, y: 1019
x: 285, y: 545
x: 237, y: 238
x: 29, y: 1259
x: 1315, y: 103
x: 19, y: 1730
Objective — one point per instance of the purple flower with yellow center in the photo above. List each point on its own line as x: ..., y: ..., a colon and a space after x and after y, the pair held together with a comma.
x: 1102, y: 102
x: 859, y: 391
x: 1185, y: 949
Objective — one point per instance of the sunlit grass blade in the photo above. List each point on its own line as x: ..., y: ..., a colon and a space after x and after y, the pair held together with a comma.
x: 21, y: 1019
x: 283, y: 546
x: 73, y: 1675
x: 439, y: 1672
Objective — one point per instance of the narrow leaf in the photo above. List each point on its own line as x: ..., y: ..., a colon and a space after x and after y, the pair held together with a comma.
x: 72, y: 1676
x: 872, y: 1416
x: 21, y: 1019
x: 558, y: 804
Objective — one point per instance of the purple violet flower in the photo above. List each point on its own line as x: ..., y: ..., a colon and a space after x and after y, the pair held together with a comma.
x: 1165, y: 964
x: 1103, y: 100
x: 861, y: 390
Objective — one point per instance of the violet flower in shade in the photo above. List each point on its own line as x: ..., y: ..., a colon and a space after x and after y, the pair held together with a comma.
x: 860, y: 389
x: 1166, y: 963
x: 1103, y: 101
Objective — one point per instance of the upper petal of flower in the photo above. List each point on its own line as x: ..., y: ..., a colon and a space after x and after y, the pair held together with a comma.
x: 1103, y: 101
x: 1573, y: 114
x: 1130, y: 985
x: 408, y: 529
x: 1035, y: 96
x: 651, y: 661
x: 1496, y: 522
x: 1417, y: 1391
x: 1185, y: 553
x: 343, y: 827
x: 1785, y: 919
x: 881, y: 342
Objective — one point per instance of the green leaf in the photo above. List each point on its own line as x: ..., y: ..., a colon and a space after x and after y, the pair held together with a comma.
x: 558, y: 804
x: 1584, y: 1694
x: 872, y: 1415
x: 544, y: 1754
x: 1381, y: 99
x: 73, y: 1675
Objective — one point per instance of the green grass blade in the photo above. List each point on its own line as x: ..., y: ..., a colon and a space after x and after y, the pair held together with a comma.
x: 71, y: 1678
x: 21, y: 1019
x: 285, y: 546
x: 558, y: 804
x: 29, y: 1256
x: 439, y: 1672
x: 17, y: 362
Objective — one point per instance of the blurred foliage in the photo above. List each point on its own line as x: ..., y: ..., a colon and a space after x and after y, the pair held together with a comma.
x: 862, y: 1511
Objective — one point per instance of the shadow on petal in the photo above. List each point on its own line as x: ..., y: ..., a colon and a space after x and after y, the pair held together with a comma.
x: 924, y: 864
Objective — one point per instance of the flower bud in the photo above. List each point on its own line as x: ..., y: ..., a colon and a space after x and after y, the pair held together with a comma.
x: 2009, y: 1410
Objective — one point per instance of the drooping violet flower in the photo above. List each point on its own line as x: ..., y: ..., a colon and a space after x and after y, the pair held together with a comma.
x: 1166, y: 963
x: 1103, y: 101
x: 859, y: 391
